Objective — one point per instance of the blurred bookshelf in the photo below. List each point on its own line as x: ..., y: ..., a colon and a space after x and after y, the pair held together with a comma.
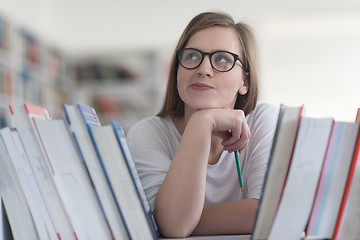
x: 31, y: 71
x: 124, y: 85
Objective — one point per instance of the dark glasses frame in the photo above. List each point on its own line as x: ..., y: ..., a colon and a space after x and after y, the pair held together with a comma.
x: 203, y: 54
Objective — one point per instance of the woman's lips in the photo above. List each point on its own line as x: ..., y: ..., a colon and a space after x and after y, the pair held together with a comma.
x: 201, y: 87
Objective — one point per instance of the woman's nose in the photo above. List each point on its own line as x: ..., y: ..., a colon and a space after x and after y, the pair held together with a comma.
x: 205, y: 68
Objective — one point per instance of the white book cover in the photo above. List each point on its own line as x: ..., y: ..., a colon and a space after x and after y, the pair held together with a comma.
x: 82, y: 137
x: 40, y: 214
x: 23, y: 118
x: 17, y: 209
x: 72, y: 180
x: 121, y: 182
x: 299, y: 191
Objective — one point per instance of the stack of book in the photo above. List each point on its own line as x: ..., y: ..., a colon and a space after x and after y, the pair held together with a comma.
x: 70, y: 178
x: 73, y: 178
x: 312, y: 185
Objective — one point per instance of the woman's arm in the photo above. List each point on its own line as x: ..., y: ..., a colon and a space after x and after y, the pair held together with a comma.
x: 180, y: 199
x: 228, y: 218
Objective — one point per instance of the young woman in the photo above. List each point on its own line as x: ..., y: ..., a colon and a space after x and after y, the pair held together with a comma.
x: 185, y: 154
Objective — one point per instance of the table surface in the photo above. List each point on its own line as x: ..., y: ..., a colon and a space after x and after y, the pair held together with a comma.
x: 217, y: 237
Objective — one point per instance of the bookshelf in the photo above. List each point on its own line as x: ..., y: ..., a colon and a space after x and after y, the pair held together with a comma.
x: 125, y: 85
x: 31, y: 71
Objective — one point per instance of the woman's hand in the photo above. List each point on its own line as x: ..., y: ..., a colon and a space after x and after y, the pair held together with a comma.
x: 230, y: 126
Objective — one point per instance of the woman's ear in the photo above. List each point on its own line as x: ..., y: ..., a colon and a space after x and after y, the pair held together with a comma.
x: 245, y: 86
x: 242, y: 91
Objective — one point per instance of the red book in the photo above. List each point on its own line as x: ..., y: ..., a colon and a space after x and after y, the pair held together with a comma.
x: 342, y: 228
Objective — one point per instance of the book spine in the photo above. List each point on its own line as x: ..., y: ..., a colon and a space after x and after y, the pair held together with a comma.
x: 131, y: 167
x: 32, y: 109
x: 347, y: 187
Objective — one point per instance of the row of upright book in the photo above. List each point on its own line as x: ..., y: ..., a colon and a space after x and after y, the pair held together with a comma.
x: 312, y: 184
x: 70, y: 178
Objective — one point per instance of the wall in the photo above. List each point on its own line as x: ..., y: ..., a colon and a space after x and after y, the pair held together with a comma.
x: 313, y: 58
x: 309, y: 49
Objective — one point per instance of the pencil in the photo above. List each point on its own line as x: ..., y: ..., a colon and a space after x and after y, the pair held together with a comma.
x: 238, y: 170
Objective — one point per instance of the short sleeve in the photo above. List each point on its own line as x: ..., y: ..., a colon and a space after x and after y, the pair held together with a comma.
x: 262, y: 124
x: 149, y: 148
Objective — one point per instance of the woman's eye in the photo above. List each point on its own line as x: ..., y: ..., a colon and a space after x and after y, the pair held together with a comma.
x: 222, y: 59
x: 191, y: 56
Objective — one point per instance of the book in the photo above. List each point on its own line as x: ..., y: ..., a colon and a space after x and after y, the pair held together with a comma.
x: 304, y: 172
x: 134, y: 174
x: 23, y: 119
x: 333, y: 180
x: 121, y: 182
x: 2, y: 217
x: 279, y: 162
x: 5, y: 230
x: 348, y: 219
x: 19, y: 216
x: 78, y: 117
x: 72, y: 180
x: 42, y: 220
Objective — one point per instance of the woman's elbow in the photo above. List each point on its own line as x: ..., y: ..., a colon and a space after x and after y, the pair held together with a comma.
x: 174, y: 228
x: 175, y: 232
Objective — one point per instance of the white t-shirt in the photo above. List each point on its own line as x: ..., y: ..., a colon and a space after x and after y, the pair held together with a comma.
x: 153, y: 142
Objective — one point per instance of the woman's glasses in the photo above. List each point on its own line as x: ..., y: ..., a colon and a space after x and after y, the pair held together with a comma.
x: 221, y: 61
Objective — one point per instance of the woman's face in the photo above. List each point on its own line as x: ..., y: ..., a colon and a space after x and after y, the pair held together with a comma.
x: 204, y: 87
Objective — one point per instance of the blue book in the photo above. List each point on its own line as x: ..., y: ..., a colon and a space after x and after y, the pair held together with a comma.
x: 121, y: 182
x: 132, y: 169
x: 89, y: 115
x: 79, y: 118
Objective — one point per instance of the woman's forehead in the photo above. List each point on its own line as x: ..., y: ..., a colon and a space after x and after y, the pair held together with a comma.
x: 215, y: 38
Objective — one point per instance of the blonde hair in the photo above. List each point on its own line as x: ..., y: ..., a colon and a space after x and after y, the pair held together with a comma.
x: 173, y: 105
